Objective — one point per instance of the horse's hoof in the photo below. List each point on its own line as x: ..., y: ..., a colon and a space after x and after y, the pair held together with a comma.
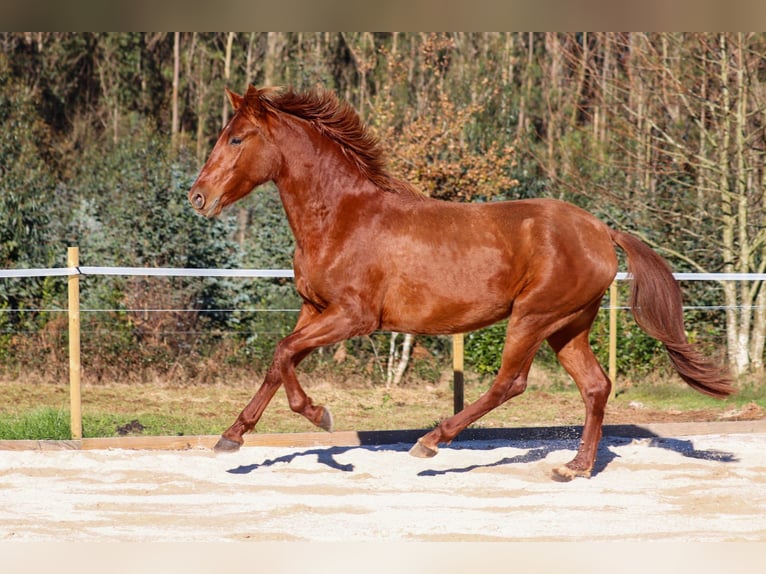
x: 419, y: 450
x: 226, y: 445
x: 566, y: 474
x: 326, y: 422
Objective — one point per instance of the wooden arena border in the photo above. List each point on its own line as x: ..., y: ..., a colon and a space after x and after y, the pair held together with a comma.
x: 377, y: 438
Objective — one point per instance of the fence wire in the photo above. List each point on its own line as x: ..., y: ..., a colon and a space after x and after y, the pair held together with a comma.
x: 287, y: 273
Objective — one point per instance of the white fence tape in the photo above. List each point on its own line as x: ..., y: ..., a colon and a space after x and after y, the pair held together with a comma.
x: 147, y: 271
x: 622, y: 276
x: 287, y: 273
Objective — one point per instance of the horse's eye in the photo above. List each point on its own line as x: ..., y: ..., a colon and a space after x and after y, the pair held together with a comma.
x: 235, y: 141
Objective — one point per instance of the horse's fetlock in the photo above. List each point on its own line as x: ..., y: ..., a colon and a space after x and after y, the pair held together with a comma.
x: 298, y: 405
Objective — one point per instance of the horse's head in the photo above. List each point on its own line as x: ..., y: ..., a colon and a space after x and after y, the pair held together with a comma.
x: 244, y: 156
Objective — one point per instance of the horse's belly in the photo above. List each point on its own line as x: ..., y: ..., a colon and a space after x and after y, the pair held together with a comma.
x: 443, y: 306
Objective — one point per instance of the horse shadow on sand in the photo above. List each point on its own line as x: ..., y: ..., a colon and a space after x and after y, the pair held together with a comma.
x: 538, y: 442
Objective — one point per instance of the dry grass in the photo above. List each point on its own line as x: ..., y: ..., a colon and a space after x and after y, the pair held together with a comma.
x: 169, y: 405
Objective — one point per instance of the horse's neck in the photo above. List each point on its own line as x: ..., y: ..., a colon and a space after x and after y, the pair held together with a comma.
x: 315, y: 207
x: 316, y: 186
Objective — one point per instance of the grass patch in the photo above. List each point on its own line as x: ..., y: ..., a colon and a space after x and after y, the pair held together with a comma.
x: 755, y: 393
x: 39, y: 424
x: 35, y: 410
x: 678, y: 396
x: 54, y: 424
x: 151, y: 424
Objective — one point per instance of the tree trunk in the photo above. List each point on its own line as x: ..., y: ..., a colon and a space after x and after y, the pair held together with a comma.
x: 526, y: 94
x: 397, y: 364
x: 201, y: 110
x: 759, y: 319
x: 275, y: 41
x: 227, y: 76
x: 743, y: 242
x: 174, y: 120
x: 736, y: 339
x: 553, y: 102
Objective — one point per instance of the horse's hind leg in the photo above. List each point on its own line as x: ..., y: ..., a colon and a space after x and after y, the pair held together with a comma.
x: 575, y: 354
x: 518, y: 353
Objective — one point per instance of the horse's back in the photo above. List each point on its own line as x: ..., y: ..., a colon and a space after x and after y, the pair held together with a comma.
x: 562, y: 246
x: 462, y: 266
x: 541, y: 232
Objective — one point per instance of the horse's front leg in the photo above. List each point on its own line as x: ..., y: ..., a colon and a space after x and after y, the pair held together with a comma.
x: 314, y: 330
x: 232, y: 438
x: 521, y: 344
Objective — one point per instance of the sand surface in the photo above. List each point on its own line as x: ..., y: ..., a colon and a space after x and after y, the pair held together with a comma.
x: 709, y: 487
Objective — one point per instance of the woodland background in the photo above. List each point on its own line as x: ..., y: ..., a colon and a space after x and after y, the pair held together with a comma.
x: 102, y: 134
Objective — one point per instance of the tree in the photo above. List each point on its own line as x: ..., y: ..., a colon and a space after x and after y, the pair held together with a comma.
x: 27, y: 184
x: 175, y: 122
x: 656, y: 132
x: 430, y: 146
x: 705, y: 149
x: 683, y: 161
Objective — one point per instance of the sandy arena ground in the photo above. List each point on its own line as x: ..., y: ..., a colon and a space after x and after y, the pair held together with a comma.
x: 709, y: 487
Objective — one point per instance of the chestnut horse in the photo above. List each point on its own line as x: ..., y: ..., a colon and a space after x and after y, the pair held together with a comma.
x: 374, y: 253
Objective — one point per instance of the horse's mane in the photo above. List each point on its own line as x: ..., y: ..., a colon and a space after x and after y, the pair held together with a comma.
x: 338, y: 121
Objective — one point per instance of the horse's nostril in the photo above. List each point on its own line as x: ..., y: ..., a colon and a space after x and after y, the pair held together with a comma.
x: 198, y: 200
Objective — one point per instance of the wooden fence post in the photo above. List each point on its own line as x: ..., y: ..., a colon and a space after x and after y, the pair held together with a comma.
x: 613, y: 336
x: 75, y: 410
x: 457, y: 372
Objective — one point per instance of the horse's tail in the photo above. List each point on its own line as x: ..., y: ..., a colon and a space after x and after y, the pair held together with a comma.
x: 656, y: 302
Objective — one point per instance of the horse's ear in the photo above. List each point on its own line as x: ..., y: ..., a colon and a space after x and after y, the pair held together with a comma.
x: 235, y: 99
